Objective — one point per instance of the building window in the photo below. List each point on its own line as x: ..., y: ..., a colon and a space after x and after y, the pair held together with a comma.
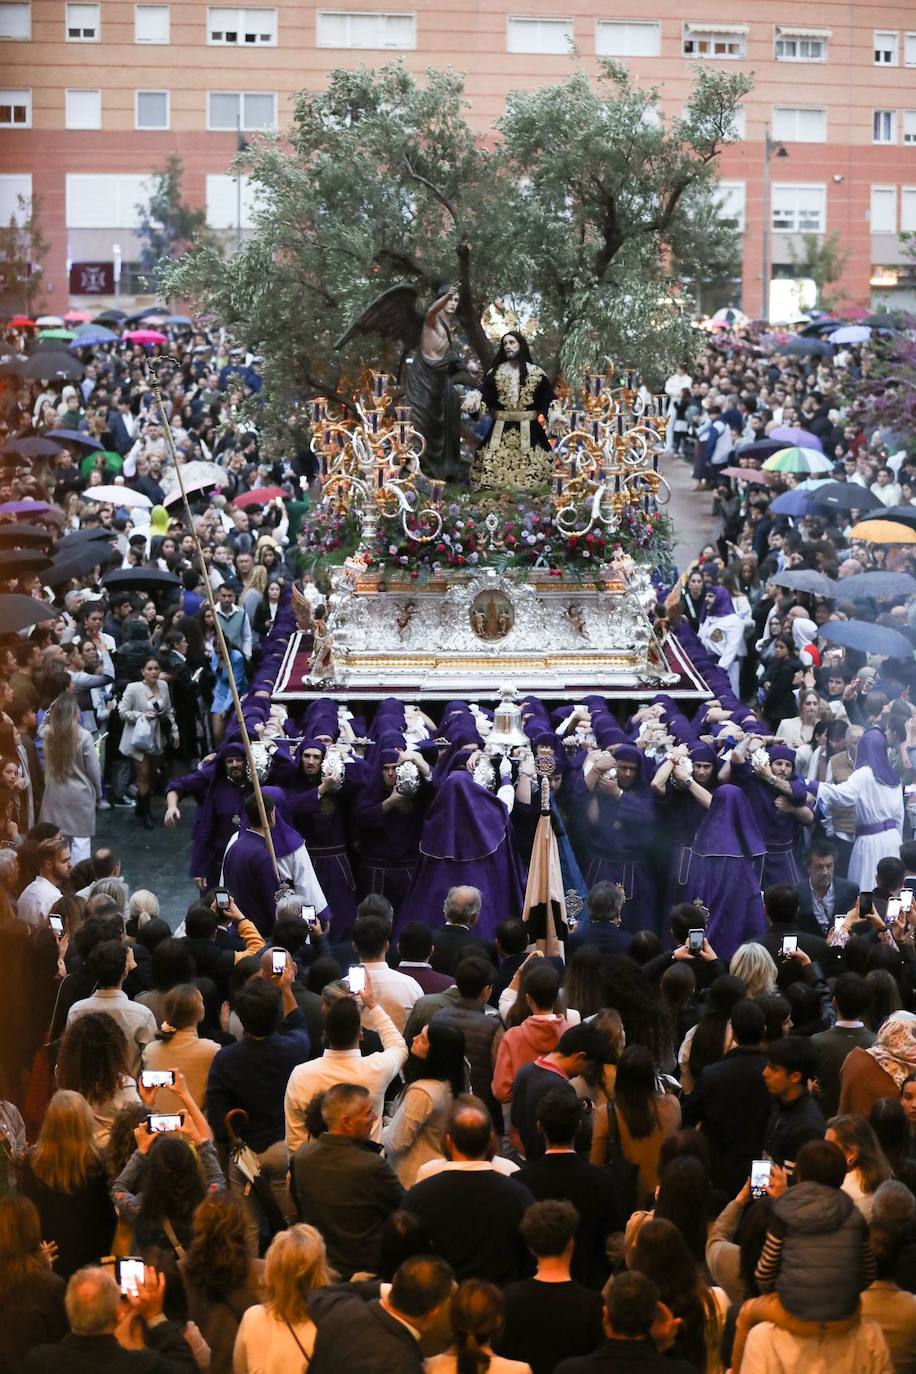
x: 909, y: 126
x: 97, y: 200
x: 151, y: 23
x: 732, y: 198
x: 547, y: 36
x: 223, y: 203
x: 15, y: 109
x: 909, y: 50
x: 799, y: 209
x: 242, y: 28
x: 15, y: 20
x: 13, y: 187
x: 884, y: 126
x: 885, y: 48
x: 84, y: 109
x: 257, y: 110
x: 883, y: 210
x: 907, y: 209
x: 800, y: 45
x: 715, y: 40
x: 83, y: 23
x: 627, y: 38
x: 151, y: 110
x: 799, y: 125
x: 365, y: 29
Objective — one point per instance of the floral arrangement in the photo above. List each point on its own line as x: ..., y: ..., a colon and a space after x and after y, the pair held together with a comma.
x: 515, y: 532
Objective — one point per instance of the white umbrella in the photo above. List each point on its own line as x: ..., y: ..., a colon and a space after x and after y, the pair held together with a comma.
x: 729, y: 314
x: 196, y: 475
x: 851, y: 333
x: 49, y: 322
x: 118, y: 496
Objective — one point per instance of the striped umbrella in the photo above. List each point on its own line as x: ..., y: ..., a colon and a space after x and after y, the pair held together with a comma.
x: 797, y: 459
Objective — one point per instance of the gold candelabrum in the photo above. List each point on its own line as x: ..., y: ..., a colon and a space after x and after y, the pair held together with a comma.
x: 608, y: 459
x: 370, y: 462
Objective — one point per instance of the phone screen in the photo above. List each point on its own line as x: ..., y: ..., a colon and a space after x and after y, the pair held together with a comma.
x: 866, y: 903
x: 129, y: 1273
x: 222, y: 899
x: 308, y: 913
x: 160, y: 1123
x: 356, y: 978
x: 57, y: 925
x: 906, y: 899
x: 695, y: 940
x: 894, y: 908
x: 789, y: 944
x: 760, y: 1177
x: 157, y: 1078
x: 278, y: 960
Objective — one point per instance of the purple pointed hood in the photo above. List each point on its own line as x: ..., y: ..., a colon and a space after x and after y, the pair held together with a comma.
x: 729, y: 829
x: 465, y: 821
x: 872, y: 753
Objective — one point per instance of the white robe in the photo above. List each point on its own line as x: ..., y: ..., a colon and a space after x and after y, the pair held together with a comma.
x: 873, y: 802
x: 723, y: 636
x: 297, y: 870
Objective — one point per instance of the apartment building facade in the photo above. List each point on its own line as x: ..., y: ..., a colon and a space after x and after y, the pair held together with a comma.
x: 96, y: 96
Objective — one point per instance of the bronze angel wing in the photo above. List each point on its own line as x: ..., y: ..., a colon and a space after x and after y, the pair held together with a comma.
x: 394, y: 314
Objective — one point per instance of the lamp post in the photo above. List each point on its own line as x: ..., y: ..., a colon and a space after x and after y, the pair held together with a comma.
x: 116, y: 271
x: 770, y: 146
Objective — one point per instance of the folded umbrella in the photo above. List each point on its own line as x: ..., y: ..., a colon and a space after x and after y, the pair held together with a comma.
x: 880, y: 585
x: 877, y: 531
x: 791, y: 434
x: 795, y: 502
x: 805, y: 580
x: 118, y: 496
x: 846, y: 496
x: 867, y: 638
x: 74, y: 436
x: 18, y: 612
x: 153, y: 578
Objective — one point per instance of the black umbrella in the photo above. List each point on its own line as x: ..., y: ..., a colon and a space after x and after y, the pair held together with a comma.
x: 805, y: 580
x: 800, y: 348
x: 152, y: 578
x: 845, y: 496
x: 14, y: 562
x: 79, y: 560
x: 48, y: 367
x: 816, y: 328
x: 31, y: 446
x: 904, y: 515
x: 74, y: 436
x: 18, y: 612
x: 12, y: 535
x: 890, y: 319
x: 110, y: 316
x: 77, y: 537
x: 867, y: 638
x: 759, y: 450
x: 884, y: 586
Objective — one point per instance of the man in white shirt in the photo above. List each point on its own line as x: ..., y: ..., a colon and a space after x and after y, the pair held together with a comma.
x: 36, y: 900
x: 396, y: 992
x: 109, y: 964
x: 343, y: 1063
x: 861, y: 1351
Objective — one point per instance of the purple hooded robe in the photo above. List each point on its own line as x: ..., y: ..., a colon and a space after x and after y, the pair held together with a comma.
x: 724, y: 870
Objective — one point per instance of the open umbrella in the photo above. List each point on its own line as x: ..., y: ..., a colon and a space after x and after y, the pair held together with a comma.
x: 95, y: 336
x: 901, y: 515
x: 77, y: 316
x: 819, y: 328
x: 50, y: 321
x: 21, y: 322
x: 759, y: 449
x: 174, y: 320
x: 805, y: 580
x: 754, y: 475
x: 877, y: 531
x: 883, y: 586
x: 797, y: 459
x: 50, y: 367
x: 801, y: 348
x: 110, y: 316
x: 792, y: 434
x: 75, y: 436
x: 77, y: 537
x: 793, y: 503
x: 35, y: 508
x: 14, y: 532
x: 145, y: 336
x: 867, y: 638
x: 79, y: 560
x: 118, y: 496
x: 885, y: 319
x: 31, y: 446
x: 851, y: 334
x: 55, y: 334
x: 196, y: 475
x: 846, y: 496
x: 16, y: 561
x: 152, y: 578
x: 18, y: 612
x: 259, y: 496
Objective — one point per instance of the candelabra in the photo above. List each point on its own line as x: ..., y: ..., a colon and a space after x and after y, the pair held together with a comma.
x: 609, y: 457
x: 371, y: 464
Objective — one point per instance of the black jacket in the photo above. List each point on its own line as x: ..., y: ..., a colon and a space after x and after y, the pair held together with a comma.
x: 733, y: 1105
x: 792, y: 1125
x: 845, y: 894
x: 451, y: 942
x: 593, y: 1192
x: 472, y: 1219
x: 809, y: 940
x: 625, y: 1357
x: 347, y: 1190
x: 357, y: 1337
x: 168, y: 1353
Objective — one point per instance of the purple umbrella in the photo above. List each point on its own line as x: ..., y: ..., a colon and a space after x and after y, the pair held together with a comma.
x: 31, y: 446
x: 74, y: 436
x: 24, y: 508
x: 801, y: 437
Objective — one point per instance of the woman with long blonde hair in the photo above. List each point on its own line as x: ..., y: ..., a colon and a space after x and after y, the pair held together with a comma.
x: 73, y: 779
x: 64, y: 1175
x: 276, y: 1336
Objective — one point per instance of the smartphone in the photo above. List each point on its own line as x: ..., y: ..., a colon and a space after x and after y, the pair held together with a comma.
x: 308, y: 913
x: 906, y: 899
x: 838, y: 922
x: 157, y: 1078
x: 760, y: 1177
x: 129, y: 1273
x: 223, y: 898
x: 160, y: 1123
x: 57, y: 925
x: 356, y: 978
x: 278, y: 961
x: 894, y: 908
x: 866, y: 903
x: 695, y: 940
x: 789, y: 945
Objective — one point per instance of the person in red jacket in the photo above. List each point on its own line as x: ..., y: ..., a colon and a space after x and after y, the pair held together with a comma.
x: 537, y: 1034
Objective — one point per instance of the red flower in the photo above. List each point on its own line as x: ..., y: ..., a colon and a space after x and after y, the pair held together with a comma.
x: 415, y: 574
x: 589, y: 539
x: 460, y: 560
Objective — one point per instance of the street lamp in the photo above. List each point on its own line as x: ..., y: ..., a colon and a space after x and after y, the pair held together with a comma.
x: 771, y: 146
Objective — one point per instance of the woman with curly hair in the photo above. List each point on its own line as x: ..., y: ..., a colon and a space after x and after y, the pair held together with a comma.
x: 221, y: 1279
x: 93, y: 1060
x: 661, y: 1253
x: 277, y: 1336
x: 64, y: 1176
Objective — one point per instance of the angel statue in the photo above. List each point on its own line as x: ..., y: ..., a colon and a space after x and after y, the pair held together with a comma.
x: 429, y: 364
x: 516, y: 454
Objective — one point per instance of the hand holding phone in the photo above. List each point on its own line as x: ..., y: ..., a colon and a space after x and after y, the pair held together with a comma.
x: 761, y: 1169
x: 866, y: 904
x: 356, y: 979
x: 222, y: 897
x: 789, y: 945
x: 278, y: 962
x: 157, y: 1078
x: 906, y: 899
x: 162, y: 1123
x: 129, y: 1273
x: 892, y: 913
x: 695, y: 941
x: 56, y: 925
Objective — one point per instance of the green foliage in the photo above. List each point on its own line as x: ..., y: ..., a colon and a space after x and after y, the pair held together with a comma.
x: 168, y: 226
x: 823, y: 259
x: 22, y: 248
x: 580, y: 213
